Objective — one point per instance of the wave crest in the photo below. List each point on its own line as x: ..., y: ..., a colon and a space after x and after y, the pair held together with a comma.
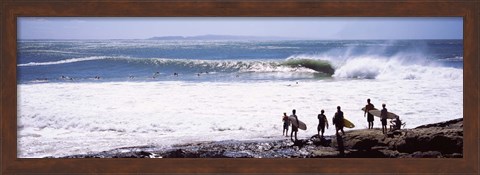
x: 317, y: 65
x: 71, y: 60
x: 387, y: 69
x: 357, y: 67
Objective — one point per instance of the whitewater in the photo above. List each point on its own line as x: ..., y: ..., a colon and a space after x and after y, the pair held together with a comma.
x: 64, y: 121
x: 238, y: 99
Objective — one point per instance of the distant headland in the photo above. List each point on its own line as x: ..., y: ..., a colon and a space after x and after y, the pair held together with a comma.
x: 220, y: 37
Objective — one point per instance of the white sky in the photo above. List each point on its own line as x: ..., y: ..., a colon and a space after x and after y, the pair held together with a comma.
x: 291, y: 27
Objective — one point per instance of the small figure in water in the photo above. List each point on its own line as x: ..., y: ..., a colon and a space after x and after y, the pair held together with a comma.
x: 383, y: 116
x: 369, y: 107
x: 97, y: 77
x: 175, y: 74
x: 131, y: 77
x: 322, y: 121
x: 156, y: 74
x: 338, y: 120
x: 286, y: 124
x: 66, y: 78
x: 42, y: 79
x: 294, y: 127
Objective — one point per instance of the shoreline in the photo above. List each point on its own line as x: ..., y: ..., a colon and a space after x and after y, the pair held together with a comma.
x: 438, y: 140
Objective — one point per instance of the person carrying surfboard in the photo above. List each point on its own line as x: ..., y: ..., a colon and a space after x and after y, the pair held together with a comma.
x: 369, y: 107
x: 322, y: 121
x: 286, y: 124
x: 383, y: 116
x: 294, y: 127
x: 338, y: 120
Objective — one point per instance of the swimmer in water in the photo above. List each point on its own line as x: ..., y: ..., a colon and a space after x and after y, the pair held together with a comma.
x: 155, y: 75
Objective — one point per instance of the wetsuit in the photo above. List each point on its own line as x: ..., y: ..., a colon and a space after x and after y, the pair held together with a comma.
x: 398, y: 123
x: 339, y: 120
x: 383, y: 114
x: 286, y: 122
x: 369, y: 116
x: 321, y: 122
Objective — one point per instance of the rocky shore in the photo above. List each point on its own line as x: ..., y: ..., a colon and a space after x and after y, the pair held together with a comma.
x: 439, y: 140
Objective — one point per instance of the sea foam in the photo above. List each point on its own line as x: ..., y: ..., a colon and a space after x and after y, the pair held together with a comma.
x: 72, y: 118
x: 394, y: 69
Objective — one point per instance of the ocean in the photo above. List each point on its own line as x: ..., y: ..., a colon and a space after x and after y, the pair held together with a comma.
x: 83, y: 96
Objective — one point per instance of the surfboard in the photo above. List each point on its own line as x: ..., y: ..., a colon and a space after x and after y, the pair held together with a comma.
x: 363, y: 109
x: 377, y: 113
x: 347, y: 123
x: 301, y: 126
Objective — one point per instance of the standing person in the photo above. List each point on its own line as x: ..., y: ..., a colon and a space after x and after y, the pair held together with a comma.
x: 383, y: 116
x: 369, y: 107
x: 338, y: 120
x: 322, y: 121
x: 294, y: 127
x: 286, y: 123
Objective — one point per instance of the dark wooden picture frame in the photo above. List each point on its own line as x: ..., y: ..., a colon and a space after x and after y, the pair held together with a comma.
x: 11, y: 10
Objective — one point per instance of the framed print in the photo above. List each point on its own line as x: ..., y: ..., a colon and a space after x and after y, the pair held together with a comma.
x: 239, y: 87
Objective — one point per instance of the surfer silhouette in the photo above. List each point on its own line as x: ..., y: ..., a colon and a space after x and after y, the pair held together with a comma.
x: 322, y: 121
x: 156, y: 74
x: 294, y: 127
x: 383, y: 116
x: 396, y: 124
x: 66, y: 78
x: 369, y: 107
x: 286, y: 123
x: 338, y: 120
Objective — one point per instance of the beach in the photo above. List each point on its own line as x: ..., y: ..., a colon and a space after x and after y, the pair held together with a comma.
x: 81, y: 97
x: 439, y: 140
x: 64, y: 121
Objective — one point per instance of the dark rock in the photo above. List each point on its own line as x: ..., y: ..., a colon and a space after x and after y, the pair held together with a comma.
x: 365, y: 144
x: 445, y: 144
x: 144, y: 154
x: 321, y: 141
x: 428, y: 154
x: 240, y: 154
x: 365, y: 154
x: 300, y: 143
x: 179, y: 153
x: 454, y: 155
x: 390, y: 153
x: 454, y: 123
x: 392, y: 134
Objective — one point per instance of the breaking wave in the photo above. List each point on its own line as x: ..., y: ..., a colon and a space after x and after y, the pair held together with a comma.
x: 71, y: 60
x: 289, y: 65
x: 355, y: 67
x: 386, y: 69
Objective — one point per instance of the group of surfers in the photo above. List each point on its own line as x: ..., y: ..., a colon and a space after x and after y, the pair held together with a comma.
x: 338, y: 121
